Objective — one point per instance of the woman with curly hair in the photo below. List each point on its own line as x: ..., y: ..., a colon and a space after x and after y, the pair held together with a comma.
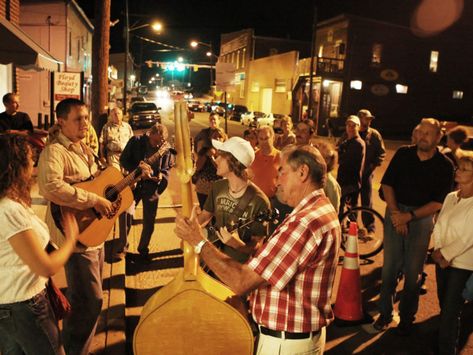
x: 206, y: 168
x: 27, y: 322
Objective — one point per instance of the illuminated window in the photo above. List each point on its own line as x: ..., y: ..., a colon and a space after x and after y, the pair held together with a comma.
x: 401, y: 89
x: 356, y: 84
x: 321, y: 51
x: 377, y: 53
x: 280, y: 85
x: 434, y: 60
x: 457, y: 94
x: 237, y: 60
x: 243, y: 57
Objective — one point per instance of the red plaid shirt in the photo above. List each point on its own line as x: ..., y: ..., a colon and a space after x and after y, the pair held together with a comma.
x: 298, y: 262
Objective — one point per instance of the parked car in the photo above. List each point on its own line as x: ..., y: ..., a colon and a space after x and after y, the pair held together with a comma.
x: 249, y: 118
x: 196, y: 106
x: 144, y: 114
x: 137, y: 99
x: 266, y: 120
x: 218, y: 107
x: 237, y: 111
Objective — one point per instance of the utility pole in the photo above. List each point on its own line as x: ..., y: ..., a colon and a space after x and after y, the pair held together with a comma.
x: 100, y: 60
x: 310, y: 107
x: 127, y: 54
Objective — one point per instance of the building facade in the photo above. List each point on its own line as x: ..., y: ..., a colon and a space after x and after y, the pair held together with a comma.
x: 386, y: 68
x: 62, y: 28
x: 241, y: 48
x: 270, y: 80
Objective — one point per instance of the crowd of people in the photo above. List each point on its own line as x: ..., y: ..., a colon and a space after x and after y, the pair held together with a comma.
x: 285, y: 270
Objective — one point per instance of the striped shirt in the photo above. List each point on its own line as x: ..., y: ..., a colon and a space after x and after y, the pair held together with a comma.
x: 298, y: 262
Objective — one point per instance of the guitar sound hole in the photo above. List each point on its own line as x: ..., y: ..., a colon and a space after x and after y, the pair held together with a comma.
x: 111, y: 194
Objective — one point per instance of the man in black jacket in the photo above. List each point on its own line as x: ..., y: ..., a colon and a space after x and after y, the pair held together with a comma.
x: 351, y: 153
x: 12, y: 119
x: 375, y: 154
x: 148, y: 190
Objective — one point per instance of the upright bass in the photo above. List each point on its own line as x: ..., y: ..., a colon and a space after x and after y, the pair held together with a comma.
x: 189, y: 315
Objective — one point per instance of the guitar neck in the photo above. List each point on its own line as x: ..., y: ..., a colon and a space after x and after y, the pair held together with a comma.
x: 135, y: 175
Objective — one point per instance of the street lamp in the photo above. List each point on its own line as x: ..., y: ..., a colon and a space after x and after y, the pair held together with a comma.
x: 156, y: 26
x: 210, y: 54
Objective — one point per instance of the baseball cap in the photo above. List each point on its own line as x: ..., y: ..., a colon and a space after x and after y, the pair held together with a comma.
x: 366, y: 113
x: 354, y: 119
x: 239, y: 148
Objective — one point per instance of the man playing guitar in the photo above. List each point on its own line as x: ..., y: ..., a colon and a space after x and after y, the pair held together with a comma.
x: 152, y: 186
x: 65, y: 161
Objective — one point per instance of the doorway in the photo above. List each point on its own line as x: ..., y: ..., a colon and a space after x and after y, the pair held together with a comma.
x: 267, y: 100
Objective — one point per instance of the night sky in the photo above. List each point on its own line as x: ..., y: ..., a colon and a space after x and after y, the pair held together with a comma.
x: 205, y: 20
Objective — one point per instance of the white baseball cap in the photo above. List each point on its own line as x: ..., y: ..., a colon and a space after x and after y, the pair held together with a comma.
x: 239, y: 148
x: 353, y: 119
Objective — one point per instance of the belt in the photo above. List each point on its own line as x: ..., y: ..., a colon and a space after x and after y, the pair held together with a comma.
x: 287, y: 335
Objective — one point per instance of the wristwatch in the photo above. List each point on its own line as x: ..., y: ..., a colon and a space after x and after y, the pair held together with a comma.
x: 198, y: 247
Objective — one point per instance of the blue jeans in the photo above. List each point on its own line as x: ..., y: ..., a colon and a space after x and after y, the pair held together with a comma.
x: 150, y: 210
x: 450, y: 284
x: 29, y: 327
x: 84, y: 292
x: 406, y: 254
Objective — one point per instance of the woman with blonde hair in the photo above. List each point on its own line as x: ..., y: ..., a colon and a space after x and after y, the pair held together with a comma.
x: 332, y: 188
x: 284, y: 135
x: 453, y: 253
x: 27, y: 322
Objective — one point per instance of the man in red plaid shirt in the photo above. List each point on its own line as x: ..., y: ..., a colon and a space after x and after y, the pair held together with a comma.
x: 291, y: 277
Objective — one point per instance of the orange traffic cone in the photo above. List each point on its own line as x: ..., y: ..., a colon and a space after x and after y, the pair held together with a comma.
x: 348, y: 308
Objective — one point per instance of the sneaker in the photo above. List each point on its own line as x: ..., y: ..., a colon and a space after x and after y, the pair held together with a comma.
x: 118, y: 256
x: 381, y: 324
x: 423, y: 286
x: 404, y: 328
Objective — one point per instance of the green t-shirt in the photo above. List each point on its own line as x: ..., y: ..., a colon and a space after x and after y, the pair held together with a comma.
x: 222, y: 205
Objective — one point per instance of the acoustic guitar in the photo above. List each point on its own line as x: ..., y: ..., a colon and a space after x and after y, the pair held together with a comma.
x: 110, y: 184
x: 191, y: 314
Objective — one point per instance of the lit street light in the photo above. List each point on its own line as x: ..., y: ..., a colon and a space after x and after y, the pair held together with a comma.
x: 210, y: 54
x: 156, y: 26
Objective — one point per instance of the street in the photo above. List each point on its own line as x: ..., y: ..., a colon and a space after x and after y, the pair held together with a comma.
x: 142, y: 281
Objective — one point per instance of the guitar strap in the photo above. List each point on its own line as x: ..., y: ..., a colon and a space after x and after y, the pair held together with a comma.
x: 244, y: 201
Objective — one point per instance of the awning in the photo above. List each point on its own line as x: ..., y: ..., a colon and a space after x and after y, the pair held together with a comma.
x: 18, y: 48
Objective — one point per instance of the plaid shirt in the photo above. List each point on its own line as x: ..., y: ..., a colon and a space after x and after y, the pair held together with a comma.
x: 299, y: 263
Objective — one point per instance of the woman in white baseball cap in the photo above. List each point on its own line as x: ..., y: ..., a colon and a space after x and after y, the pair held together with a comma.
x: 234, y: 199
